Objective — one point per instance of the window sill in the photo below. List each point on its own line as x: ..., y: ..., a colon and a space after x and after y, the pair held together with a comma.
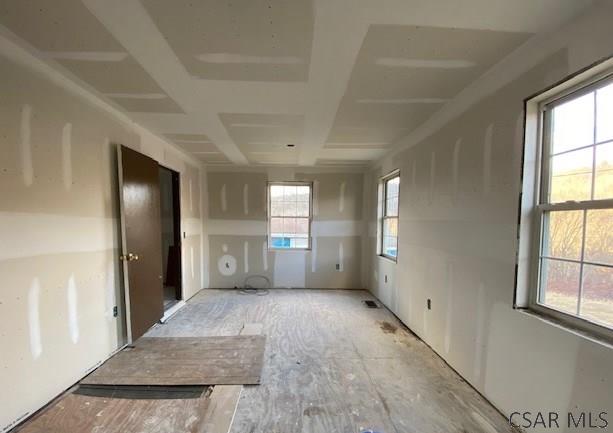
x: 391, y: 259
x: 552, y: 321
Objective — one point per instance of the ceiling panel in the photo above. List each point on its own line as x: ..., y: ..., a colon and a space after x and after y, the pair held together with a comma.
x: 66, y: 31
x: 404, y: 74
x: 264, y: 137
x: 256, y: 40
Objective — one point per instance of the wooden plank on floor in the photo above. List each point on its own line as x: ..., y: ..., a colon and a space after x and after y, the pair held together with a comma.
x: 233, y: 360
x: 224, y: 398
x: 78, y: 413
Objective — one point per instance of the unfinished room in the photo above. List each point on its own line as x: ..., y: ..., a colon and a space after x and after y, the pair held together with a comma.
x: 306, y: 216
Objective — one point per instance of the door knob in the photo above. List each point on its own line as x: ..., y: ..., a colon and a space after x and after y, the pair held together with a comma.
x: 129, y: 257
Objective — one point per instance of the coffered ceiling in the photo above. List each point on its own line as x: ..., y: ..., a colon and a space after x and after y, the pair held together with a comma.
x: 237, y: 81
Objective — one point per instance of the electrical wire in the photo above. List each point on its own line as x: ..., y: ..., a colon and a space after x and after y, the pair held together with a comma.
x: 250, y: 288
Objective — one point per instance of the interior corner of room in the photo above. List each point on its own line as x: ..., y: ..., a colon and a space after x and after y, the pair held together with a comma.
x: 330, y: 216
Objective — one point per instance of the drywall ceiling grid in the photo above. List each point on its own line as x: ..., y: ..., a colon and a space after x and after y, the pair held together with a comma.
x: 341, y: 80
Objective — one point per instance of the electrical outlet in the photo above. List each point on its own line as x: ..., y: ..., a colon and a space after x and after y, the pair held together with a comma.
x: 115, y: 311
x: 429, y: 304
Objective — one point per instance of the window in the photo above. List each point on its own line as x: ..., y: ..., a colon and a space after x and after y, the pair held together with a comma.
x: 389, y: 218
x: 572, y: 258
x: 289, y: 215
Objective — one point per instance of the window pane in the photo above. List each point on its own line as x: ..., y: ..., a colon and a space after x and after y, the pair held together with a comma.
x: 604, y: 122
x: 571, y: 176
x: 390, y: 246
x: 276, y: 226
x: 597, y: 298
x: 560, y: 285
x: 392, y: 187
x: 289, y: 226
x: 573, y: 124
x: 302, y: 193
x: 302, y: 226
x: 599, y: 236
x: 563, y: 234
x: 290, y: 208
x: 302, y: 208
x: 391, y: 207
x: 390, y: 227
x: 280, y: 242
x: 276, y: 193
x: 603, y: 187
x: 299, y: 243
x: 276, y: 208
x: 289, y: 193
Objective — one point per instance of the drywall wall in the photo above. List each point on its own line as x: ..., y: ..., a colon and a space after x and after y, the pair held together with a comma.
x: 237, y: 229
x: 59, y: 247
x: 459, y: 197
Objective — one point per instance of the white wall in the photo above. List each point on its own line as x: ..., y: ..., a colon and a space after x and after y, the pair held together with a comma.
x: 236, y: 227
x: 459, y: 196
x: 59, y: 247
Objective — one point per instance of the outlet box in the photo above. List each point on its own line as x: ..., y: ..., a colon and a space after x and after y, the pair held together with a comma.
x: 338, y: 267
x: 429, y: 304
x: 115, y: 311
x: 385, y: 278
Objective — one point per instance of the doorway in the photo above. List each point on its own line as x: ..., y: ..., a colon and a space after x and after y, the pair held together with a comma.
x: 170, y: 210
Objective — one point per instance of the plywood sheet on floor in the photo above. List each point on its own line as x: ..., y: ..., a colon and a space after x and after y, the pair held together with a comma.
x: 333, y: 365
x: 232, y: 360
x: 79, y: 413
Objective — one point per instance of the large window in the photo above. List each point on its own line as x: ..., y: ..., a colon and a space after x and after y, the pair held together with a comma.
x: 289, y: 215
x: 389, y: 221
x: 573, y: 262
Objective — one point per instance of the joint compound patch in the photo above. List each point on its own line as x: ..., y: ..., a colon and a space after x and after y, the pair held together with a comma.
x: 226, y: 265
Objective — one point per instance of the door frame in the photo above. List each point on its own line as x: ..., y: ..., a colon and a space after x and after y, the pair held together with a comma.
x: 176, y: 205
x: 124, y: 248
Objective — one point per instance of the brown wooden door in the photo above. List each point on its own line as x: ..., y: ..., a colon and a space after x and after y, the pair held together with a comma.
x: 141, y: 240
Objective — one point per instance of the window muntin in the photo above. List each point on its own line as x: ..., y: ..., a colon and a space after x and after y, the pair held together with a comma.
x: 289, y: 215
x: 389, y: 220
x: 575, y: 210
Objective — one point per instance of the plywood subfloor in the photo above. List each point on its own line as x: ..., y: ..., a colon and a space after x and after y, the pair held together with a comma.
x: 334, y: 366
x: 226, y: 360
x: 82, y: 413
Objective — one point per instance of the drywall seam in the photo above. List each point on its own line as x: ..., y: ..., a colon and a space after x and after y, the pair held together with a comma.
x: 73, y: 313
x: 27, y: 168
x: 341, y: 198
x: 449, y: 313
x: 29, y: 234
x: 265, y: 255
x: 519, y: 61
x: 246, y: 256
x: 432, y: 177
x: 36, y: 345
x: 246, y: 199
x: 191, y: 258
x: 224, y: 200
x: 67, y: 155
x: 314, y: 254
x: 328, y: 228
x: 191, y: 195
x: 487, y: 159
x: 22, y: 53
x: 455, y: 170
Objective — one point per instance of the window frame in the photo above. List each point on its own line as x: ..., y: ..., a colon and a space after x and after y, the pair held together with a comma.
x: 383, y: 181
x: 269, y: 214
x: 574, y: 87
